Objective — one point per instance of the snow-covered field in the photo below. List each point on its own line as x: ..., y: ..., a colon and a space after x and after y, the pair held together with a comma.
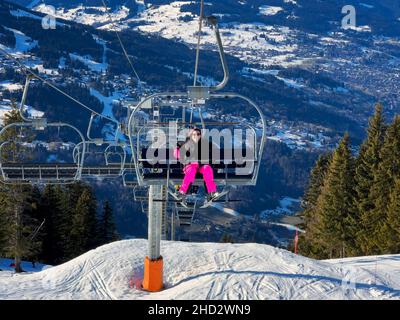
x: 8, y: 85
x: 208, y: 271
x: 287, y: 206
x: 5, y: 107
x: 273, y: 43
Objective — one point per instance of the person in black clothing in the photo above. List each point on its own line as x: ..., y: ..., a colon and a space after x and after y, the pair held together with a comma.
x: 196, y: 156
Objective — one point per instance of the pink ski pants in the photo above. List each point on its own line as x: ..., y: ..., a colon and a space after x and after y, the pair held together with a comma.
x: 191, y: 170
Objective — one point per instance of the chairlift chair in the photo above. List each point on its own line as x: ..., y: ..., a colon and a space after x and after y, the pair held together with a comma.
x: 102, y: 159
x: 165, y: 170
x: 30, y: 172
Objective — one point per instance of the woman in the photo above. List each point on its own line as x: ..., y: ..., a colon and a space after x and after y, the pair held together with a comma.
x: 191, y: 151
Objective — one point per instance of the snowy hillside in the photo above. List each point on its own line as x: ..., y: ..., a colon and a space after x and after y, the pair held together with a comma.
x: 209, y: 271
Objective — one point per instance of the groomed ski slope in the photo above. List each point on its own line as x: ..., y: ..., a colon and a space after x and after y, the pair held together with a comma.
x: 209, y: 271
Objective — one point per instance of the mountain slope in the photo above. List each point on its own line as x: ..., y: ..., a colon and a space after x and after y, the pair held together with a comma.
x: 208, y: 271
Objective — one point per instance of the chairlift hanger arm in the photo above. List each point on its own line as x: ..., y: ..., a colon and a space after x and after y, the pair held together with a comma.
x: 23, y: 99
x: 196, y: 67
x: 213, y: 21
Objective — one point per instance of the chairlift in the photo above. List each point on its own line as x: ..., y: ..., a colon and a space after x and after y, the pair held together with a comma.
x: 23, y: 170
x: 27, y: 171
x: 153, y: 149
x: 102, y: 160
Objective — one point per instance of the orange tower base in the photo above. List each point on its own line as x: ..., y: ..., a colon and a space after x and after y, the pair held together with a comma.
x: 153, y: 274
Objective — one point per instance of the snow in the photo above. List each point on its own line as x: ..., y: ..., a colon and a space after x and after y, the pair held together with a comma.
x: 203, y: 80
x: 79, y: 15
x: 37, y: 64
x: 8, y: 85
x: 107, y: 101
x: 250, y: 72
x: 359, y: 28
x: 23, y: 43
x: 332, y: 40
x: 269, y: 10
x: 21, y: 13
x: 109, y: 130
x: 103, y: 44
x: 34, y: 113
x: 273, y: 44
x: 287, y: 202
x: 285, y: 207
x: 291, y: 83
x: 141, y: 6
x: 5, y: 108
x: 89, y: 62
x: 290, y: 227
x: 291, y: 139
x: 224, y: 209
x: 208, y: 271
x: 368, y: 6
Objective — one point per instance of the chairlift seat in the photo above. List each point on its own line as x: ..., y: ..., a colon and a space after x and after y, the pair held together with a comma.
x: 44, y: 172
x: 47, y: 172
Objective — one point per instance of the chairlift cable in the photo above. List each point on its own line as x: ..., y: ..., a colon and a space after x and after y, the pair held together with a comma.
x: 123, y: 47
x: 36, y: 231
x: 35, y: 75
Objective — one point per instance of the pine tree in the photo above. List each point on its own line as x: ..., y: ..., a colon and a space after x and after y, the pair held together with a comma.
x: 34, y: 221
x: 83, y: 234
x: 16, y: 200
x: 391, y: 228
x: 315, y: 185
x: 367, y: 166
x: 4, y: 227
x: 309, y: 242
x: 226, y: 238
x: 53, y: 249
x: 336, y: 205
x: 107, y: 229
x: 19, y: 218
x: 384, y: 182
x: 67, y: 203
x: 65, y: 206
